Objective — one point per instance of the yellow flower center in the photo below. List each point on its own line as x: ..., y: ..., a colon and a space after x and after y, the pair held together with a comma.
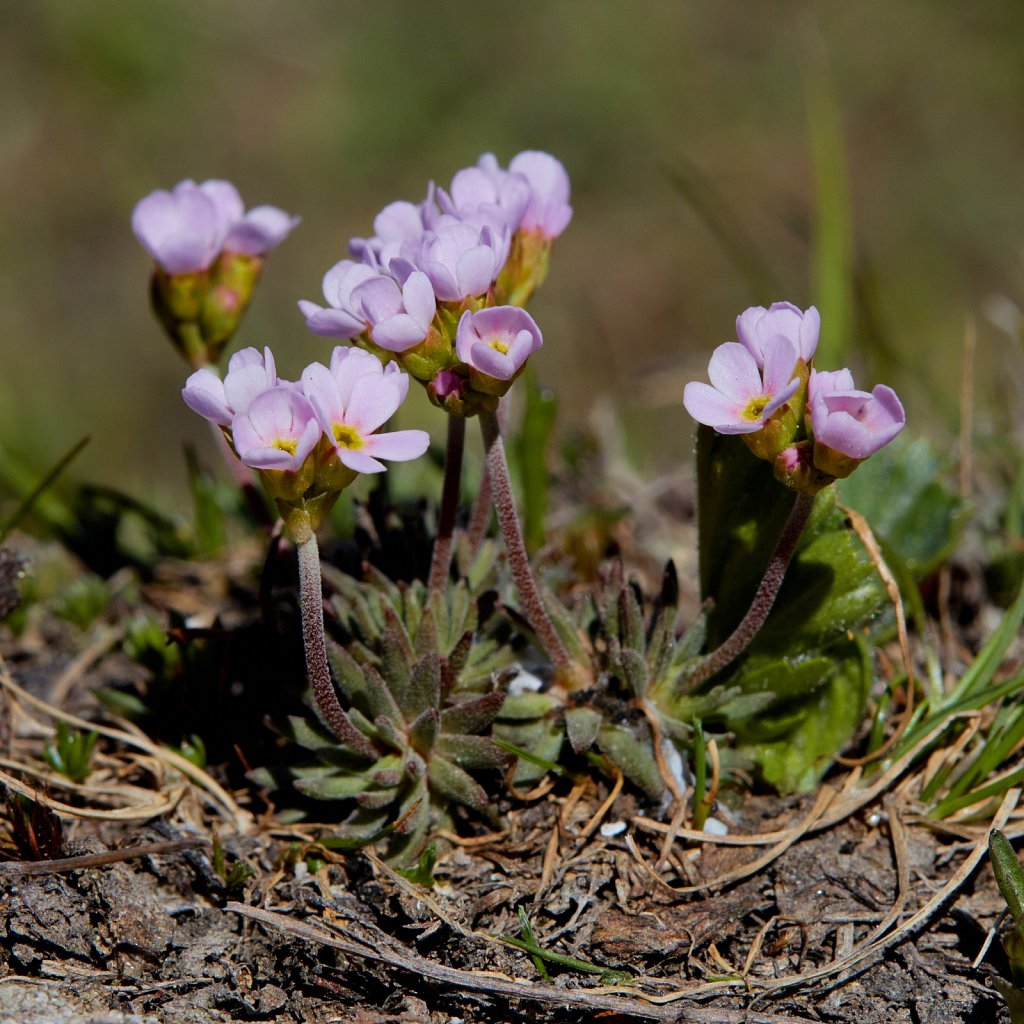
x: 286, y: 444
x: 754, y: 409
x: 347, y: 437
x: 499, y: 346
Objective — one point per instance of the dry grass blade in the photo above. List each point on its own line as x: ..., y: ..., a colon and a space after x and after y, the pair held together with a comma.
x: 161, y: 804
x: 879, y: 940
x: 867, y: 538
x: 241, y: 820
x: 608, y: 999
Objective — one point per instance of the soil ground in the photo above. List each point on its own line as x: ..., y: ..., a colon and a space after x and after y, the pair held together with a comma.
x: 846, y: 906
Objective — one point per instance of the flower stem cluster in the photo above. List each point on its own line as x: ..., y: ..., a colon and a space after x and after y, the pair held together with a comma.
x: 307, y: 439
x: 441, y: 284
x: 209, y: 254
x: 813, y: 426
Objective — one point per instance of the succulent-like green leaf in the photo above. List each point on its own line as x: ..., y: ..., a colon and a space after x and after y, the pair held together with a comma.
x: 425, y: 687
x: 450, y: 781
x: 375, y: 698
x: 473, y: 715
x: 472, y: 752
x: 521, y: 707
x: 581, y: 726
x: 423, y: 731
x: 633, y: 667
x: 634, y: 755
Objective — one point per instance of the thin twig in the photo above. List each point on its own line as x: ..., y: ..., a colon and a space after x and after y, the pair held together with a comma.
x: 615, y: 999
x: 95, y: 860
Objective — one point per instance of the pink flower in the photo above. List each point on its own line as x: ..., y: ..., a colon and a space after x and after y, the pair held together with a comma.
x: 497, y: 341
x: 249, y: 374
x: 854, y: 423
x: 756, y: 326
x: 741, y: 396
x: 352, y: 399
x: 185, y: 230
x: 548, y: 212
x: 278, y: 430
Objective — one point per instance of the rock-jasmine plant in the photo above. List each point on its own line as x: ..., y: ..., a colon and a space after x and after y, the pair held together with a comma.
x: 209, y: 253
x: 653, y: 690
x: 813, y: 427
x: 308, y: 440
x: 440, y: 288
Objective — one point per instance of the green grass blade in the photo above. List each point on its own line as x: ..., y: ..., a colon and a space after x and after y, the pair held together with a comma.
x: 832, y: 270
x: 55, y: 512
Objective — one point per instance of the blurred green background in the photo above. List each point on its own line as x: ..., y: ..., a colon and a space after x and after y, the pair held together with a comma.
x: 867, y: 157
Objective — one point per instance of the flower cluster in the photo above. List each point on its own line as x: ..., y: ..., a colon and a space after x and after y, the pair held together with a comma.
x: 814, y: 426
x: 441, y: 284
x: 209, y: 253
x: 309, y: 438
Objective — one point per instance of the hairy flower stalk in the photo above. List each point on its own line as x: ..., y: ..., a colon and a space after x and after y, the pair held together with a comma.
x: 311, y: 602
x: 519, y: 562
x: 768, y: 589
x: 441, y: 561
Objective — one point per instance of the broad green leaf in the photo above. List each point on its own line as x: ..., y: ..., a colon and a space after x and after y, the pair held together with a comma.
x: 902, y: 493
x: 794, y: 759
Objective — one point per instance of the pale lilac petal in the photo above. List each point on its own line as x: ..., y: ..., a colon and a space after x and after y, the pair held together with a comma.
x: 260, y: 230
x: 713, y: 409
x: 254, y: 357
x: 398, y: 333
x: 397, y: 446
x: 418, y: 298
x: 395, y: 372
x: 351, y: 368
x: 321, y: 388
x: 179, y: 229
x: 330, y: 323
x: 489, y: 360
x: 733, y: 371
x: 372, y: 402
x: 476, y: 270
x: 781, y: 398
x: 360, y: 461
x: 204, y: 394
x: 399, y: 221
x: 780, y: 358
x: 378, y: 297
x: 755, y: 328
x: 810, y: 330
x: 267, y: 458
x: 548, y: 211
x: 242, y: 385
x: 445, y: 285
x: 856, y: 423
x: 825, y: 381
x: 339, y: 281
x: 228, y: 204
